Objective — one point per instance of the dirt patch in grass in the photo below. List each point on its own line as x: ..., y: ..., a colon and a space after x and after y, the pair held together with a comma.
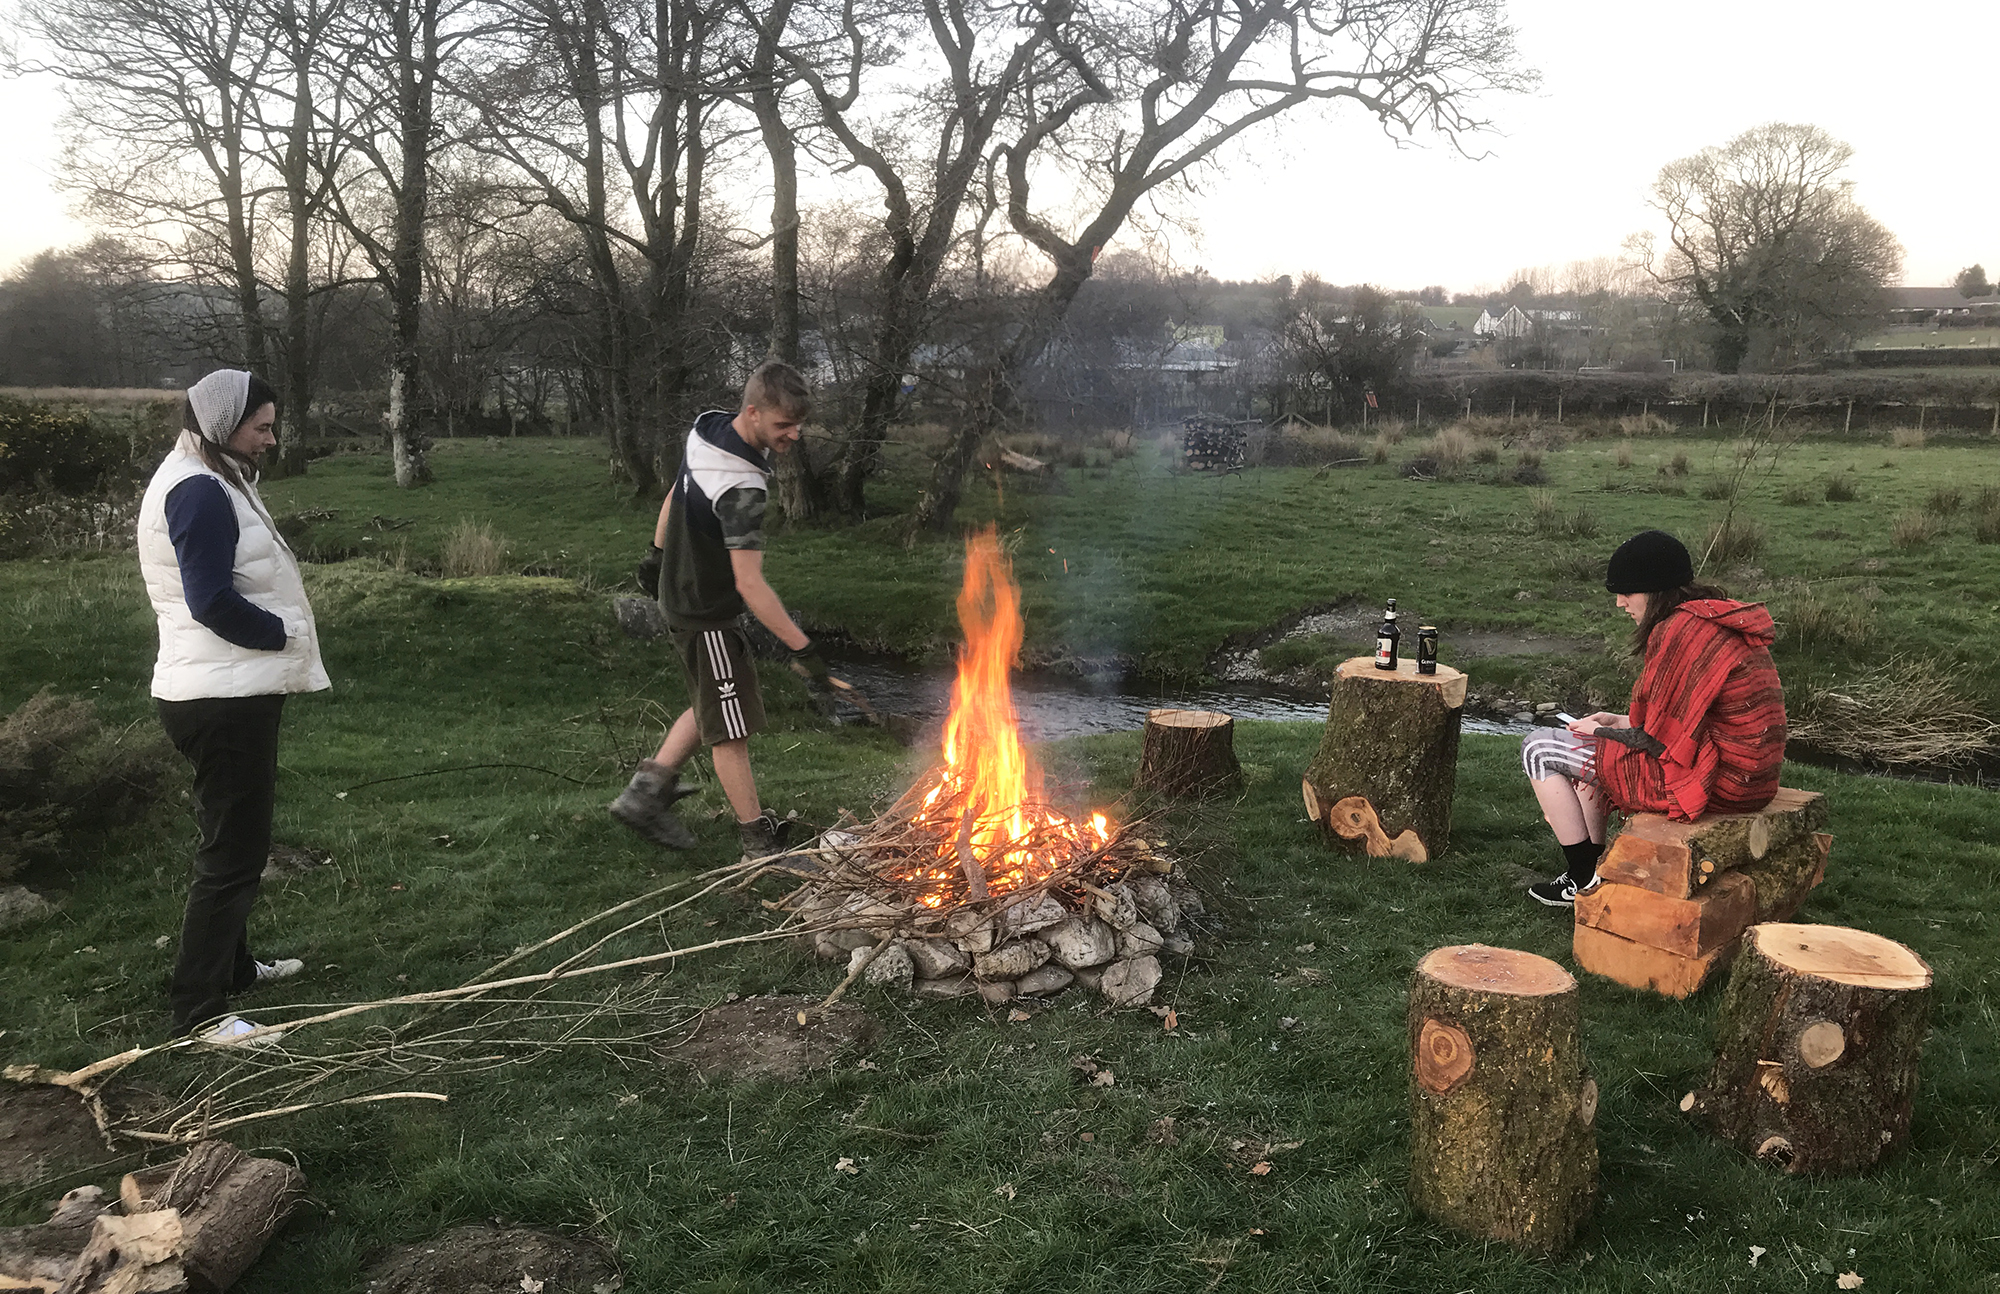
x: 490, y: 1260
x: 761, y: 1037
x: 45, y: 1130
x: 294, y: 860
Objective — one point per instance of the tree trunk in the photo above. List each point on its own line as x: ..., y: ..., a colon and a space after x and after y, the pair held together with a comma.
x: 230, y: 1205
x: 1188, y: 753
x: 1816, y: 1048
x: 1503, y: 1141
x: 295, y: 382
x: 415, y: 24
x: 1387, y: 766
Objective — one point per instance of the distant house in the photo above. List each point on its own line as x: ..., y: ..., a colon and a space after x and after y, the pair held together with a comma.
x: 1911, y: 306
x: 1511, y: 322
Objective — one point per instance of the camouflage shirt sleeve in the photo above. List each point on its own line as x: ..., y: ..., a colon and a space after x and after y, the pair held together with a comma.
x: 741, y: 512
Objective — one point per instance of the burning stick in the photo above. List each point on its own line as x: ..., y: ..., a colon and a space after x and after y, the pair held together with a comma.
x: 975, y: 875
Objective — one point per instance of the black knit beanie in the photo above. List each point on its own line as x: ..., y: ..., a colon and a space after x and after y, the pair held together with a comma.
x: 1651, y: 561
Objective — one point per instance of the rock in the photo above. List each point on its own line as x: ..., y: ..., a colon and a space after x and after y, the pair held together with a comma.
x: 1080, y: 943
x: 875, y: 917
x: 1048, y: 981
x: 1177, y: 944
x: 1034, y: 914
x: 1157, y: 905
x: 1522, y: 716
x: 1130, y: 983
x: 892, y: 967
x: 836, y: 944
x: 948, y: 986
x: 936, y: 958
x: 640, y: 617
x: 1186, y: 898
x: 997, y: 991
x: 1089, y: 976
x: 1546, y: 707
x: 20, y: 905
x: 971, y: 930
x: 1140, y: 941
x: 1117, y: 906
x: 1010, y: 961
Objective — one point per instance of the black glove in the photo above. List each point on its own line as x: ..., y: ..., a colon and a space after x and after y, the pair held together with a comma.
x: 1636, y: 738
x: 649, y: 571
x: 806, y: 663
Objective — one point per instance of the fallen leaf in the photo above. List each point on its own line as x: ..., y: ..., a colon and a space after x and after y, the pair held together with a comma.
x: 1162, y: 1132
x: 710, y: 925
x: 1306, y: 948
x: 340, y: 795
x: 866, y: 1064
x: 1104, y: 1078
x: 630, y: 1098
x: 1087, y: 1136
x: 1756, y: 1252
x: 1017, y: 1015
x: 1849, y: 1281
x: 1288, y: 1022
x: 394, y: 888
x: 1262, y: 1168
x: 1171, y: 1020
x: 802, y: 1019
x: 1005, y: 1190
x: 531, y: 1285
x: 163, y: 941
x: 846, y: 1165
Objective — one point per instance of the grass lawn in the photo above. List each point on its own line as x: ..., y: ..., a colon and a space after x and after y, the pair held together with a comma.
x: 731, y: 1186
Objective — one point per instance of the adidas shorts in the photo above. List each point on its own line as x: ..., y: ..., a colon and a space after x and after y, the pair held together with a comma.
x: 722, y: 683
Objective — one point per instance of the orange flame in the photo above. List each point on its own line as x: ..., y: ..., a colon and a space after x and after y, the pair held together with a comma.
x: 986, y: 800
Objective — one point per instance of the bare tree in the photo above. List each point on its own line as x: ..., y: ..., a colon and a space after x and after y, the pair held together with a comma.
x: 1764, y: 236
x: 1129, y: 99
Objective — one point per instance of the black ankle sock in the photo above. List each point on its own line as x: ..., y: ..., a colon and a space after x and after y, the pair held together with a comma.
x: 1581, y: 861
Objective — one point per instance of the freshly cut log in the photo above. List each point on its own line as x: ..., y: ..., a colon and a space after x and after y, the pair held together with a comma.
x: 230, y: 1205
x: 1188, y: 753
x: 1502, y: 1112
x: 1387, y: 766
x: 1687, y: 927
x: 43, y: 1256
x: 1637, y: 965
x: 1816, y: 1048
x: 1776, y: 846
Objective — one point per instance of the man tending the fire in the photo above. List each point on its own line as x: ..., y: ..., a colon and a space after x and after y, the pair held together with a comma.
x: 706, y: 563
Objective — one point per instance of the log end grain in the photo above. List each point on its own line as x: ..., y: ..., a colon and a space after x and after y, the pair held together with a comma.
x: 1842, y: 955
x: 1640, y: 966
x: 1481, y: 969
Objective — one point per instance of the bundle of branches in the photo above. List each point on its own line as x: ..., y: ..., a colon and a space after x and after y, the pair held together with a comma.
x: 1907, y: 711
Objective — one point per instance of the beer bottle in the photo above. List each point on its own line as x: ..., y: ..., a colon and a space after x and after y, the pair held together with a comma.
x: 1427, y: 650
x: 1386, y: 639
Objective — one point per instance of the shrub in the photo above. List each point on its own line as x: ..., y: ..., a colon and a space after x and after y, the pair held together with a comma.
x: 1904, y: 711
x: 1547, y: 519
x: 1378, y: 451
x: 1986, y: 528
x: 1577, y: 566
x: 1989, y: 499
x: 1717, y: 487
x: 1798, y: 495
x: 62, y: 770
x: 474, y: 548
x: 1908, y: 438
x: 1816, y: 620
x: 54, y: 451
x: 1677, y: 465
x: 1303, y: 447
x: 1452, y: 448
x: 1733, y: 540
x: 1649, y: 424
x: 1944, y: 502
x: 1528, y: 474
x: 1914, y: 529
x: 1486, y: 454
x: 1840, y: 487
x: 1529, y: 457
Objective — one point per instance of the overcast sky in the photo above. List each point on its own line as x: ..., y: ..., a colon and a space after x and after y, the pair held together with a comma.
x: 1625, y: 89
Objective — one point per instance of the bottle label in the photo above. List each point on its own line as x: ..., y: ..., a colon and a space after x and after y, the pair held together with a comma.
x: 1385, y: 653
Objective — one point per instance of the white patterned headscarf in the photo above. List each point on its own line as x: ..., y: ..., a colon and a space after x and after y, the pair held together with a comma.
x: 218, y: 400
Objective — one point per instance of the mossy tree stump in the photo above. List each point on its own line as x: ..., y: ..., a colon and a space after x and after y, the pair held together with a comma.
x: 1186, y: 753
x: 1816, y: 1048
x: 1503, y: 1140
x: 1387, y: 765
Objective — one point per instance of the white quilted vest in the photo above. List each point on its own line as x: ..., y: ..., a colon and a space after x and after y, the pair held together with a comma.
x: 194, y: 661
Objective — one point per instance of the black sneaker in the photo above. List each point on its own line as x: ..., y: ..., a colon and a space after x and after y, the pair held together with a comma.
x: 1562, y: 891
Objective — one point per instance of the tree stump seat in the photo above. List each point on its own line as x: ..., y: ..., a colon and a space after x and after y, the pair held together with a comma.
x: 1677, y: 896
x: 1816, y: 1048
x: 1188, y: 753
x: 1382, y: 781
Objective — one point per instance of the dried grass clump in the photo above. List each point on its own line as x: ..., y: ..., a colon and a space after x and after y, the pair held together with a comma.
x: 474, y: 548
x: 1840, y: 487
x: 1378, y: 449
x: 1907, y: 711
x: 61, y: 768
x: 1908, y: 437
x: 1623, y: 455
x: 1717, y: 487
x: 1732, y: 540
x: 1486, y: 453
x: 1915, y: 529
x: 1529, y: 457
x: 1547, y: 519
x: 1647, y: 424
x: 1819, y: 621
x: 1986, y: 526
x: 1675, y: 466
x: 1798, y: 495
x: 1577, y: 566
x: 1307, y: 446
x: 1944, y: 501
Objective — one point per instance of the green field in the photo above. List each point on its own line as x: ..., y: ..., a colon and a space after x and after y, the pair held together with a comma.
x: 730, y: 1186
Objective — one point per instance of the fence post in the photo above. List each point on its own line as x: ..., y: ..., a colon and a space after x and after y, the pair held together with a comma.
x: 1510, y: 408
x: 1559, y: 408
x: 1704, y: 415
x: 1923, y: 410
x: 1468, y: 406
x: 1848, y: 426
x: 1420, y: 415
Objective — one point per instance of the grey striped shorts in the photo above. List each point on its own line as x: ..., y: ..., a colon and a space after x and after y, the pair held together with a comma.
x: 1552, y: 752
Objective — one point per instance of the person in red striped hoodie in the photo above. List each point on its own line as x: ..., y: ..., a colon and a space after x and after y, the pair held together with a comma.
x: 1705, y: 732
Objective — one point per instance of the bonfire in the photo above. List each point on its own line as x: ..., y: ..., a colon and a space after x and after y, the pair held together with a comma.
x: 973, y: 881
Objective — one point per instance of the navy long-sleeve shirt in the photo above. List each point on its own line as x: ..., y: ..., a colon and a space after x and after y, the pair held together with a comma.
x: 202, y: 523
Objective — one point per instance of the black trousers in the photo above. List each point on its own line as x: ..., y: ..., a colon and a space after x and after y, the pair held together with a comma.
x: 232, y: 742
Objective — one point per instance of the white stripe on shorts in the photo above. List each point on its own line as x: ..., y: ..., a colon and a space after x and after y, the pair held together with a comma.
x: 1552, y: 752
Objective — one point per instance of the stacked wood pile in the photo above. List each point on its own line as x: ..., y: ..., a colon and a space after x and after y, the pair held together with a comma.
x: 1677, y: 896
x: 198, y: 1223
x: 1208, y: 442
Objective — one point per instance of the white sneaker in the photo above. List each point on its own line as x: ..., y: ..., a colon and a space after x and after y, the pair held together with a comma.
x: 283, y: 968
x: 231, y: 1031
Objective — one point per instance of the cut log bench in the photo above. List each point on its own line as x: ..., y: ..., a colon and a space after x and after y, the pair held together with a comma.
x: 1816, y: 1048
x: 1503, y: 1140
x: 1677, y: 896
x: 1188, y: 753
x: 1387, y: 765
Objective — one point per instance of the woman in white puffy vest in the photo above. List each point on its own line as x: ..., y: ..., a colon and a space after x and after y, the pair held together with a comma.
x: 236, y: 636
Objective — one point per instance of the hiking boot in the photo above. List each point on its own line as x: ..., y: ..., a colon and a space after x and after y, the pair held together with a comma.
x: 1562, y: 891
x: 765, y: 834
x: 647, y: 805
x: 283, y: 968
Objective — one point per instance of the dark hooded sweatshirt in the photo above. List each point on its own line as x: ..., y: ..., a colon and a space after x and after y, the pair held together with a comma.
x: 1709, y: 695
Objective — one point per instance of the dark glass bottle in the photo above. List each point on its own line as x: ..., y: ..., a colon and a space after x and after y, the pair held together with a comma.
x: 1427, y: 650
x: 1386, y: 639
